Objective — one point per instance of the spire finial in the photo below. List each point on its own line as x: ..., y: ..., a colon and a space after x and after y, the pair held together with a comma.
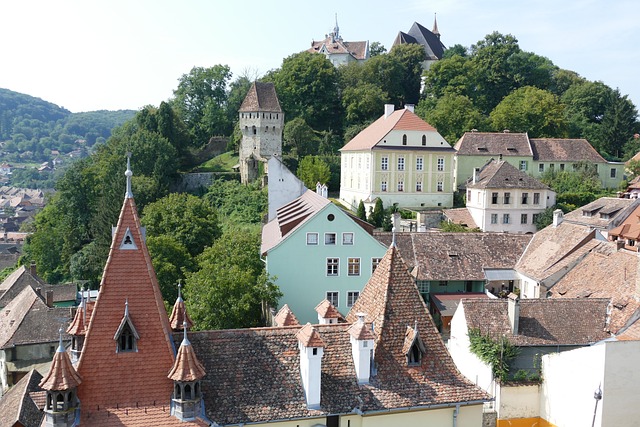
x: 435, y: 26
x: 60, y: 345
x: 179, y: 289
x: 185, y: 340
x: 126, y: 307
x: 128, y: 174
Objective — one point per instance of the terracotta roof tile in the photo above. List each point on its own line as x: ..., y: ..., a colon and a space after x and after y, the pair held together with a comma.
x: 285, y: 317
x: 126, y: 378
x: 326, y: 310
x: 179, y: 315
x: 81, y: 319
x: 494, y: 144
x: 563, y: 149
x: 62, y: 375
x: 361, y: 331
x: 309, y: 337
x: 135, y: 416
x: 542, y: 321
x: 500, y: 174
x: 357, y: 50
x: 460, y: 216
x: 603, y: 213
x: 187, y: 367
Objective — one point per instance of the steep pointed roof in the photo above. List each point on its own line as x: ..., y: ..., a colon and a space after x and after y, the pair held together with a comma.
x: 179, y: 315
x: 135, y: 377
x: 80, y: 321
x: 429, y: 40
x: 62, y: 375
x: 309, y: 337
x: 391, y: 301
x: 285, y: 317
x: 261, y: 97
x: 187, y: 367
x: 327, y: 310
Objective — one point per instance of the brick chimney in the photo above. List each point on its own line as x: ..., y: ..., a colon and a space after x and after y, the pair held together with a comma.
x: 49, y: 298
x: 32, y: 269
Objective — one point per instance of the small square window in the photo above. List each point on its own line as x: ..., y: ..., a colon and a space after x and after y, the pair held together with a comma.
x: 418, y: 186
x: 347, y: 238
x: 383, y: 186
x: 440, y: 164
x: 400, y: 163
x: 312, y: 238
x: 419, y: 164
x: 541, y: 167
x: 613, y: 173
x: 439, y: 186
x: 400, y: 185
x: 523, y: 165
x: 442, y: 283
x: 329, y: 238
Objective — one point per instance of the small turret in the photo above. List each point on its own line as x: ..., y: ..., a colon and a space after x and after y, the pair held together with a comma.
x: 179, y: 316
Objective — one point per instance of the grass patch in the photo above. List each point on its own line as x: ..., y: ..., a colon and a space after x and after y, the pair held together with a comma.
x: 222, y: 163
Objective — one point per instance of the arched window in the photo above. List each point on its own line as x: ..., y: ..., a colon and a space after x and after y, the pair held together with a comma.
x: 253, y: 128
x: 404, y: 139
x: 187, y: 392
x: 127, y: 340
x: 415, y: 355
x: 177, y: 391
x: 424, y: 139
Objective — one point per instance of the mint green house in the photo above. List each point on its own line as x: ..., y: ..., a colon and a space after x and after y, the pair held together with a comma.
x: 533, y: 156
x: 317, y: 251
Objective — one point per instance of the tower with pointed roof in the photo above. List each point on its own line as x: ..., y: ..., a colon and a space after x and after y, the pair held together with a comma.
x: 128, y: 347
x: 186, y: 373
x: 261, y: 122
x: 61, y: 382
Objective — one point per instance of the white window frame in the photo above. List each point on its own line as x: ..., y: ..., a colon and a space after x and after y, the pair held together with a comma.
x: 335, y: 266
x: 333, y: 297
x: 419, y: 164
x: 384, y: 163
x: 400, y: 186
x: 418, y: 186
x: 348, y: 238
x: 356, y: 265
x: 310, y: 241
x: 440, y: 186
x: 440, y: 164
x: 335, y: 238
x: 494, y: 218
x: 524, y: 218
x: 375, y: 261
x: 536, y: 198
x: 352, y: 297
x: 541, y: 167
x: 401, y: 163
x: 524, y: 165
x: 506, y: 218
x: 383, y: 186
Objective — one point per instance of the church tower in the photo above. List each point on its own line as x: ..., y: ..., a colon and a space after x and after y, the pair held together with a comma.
x: 261, y: 122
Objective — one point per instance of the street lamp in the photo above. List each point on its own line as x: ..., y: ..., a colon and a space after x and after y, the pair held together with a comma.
x: 598, y: 397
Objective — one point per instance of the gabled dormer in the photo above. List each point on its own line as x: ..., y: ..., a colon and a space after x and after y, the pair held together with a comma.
x: 126, y: 336
x: 413, y: 348
x: 328, y: 314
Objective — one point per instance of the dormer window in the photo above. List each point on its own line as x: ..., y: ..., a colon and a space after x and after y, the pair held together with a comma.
x: 126, y: 336
x: 126, y: 342
x: 127, y: 241
x: 413, y: 348
x: 415, y: 355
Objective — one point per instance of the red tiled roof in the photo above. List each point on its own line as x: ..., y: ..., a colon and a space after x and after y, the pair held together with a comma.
x: 133, y: 378
x: 391, y: 301
x: 563, y: 149
x: 62, y: 375
x: 361, y: 331
x: 494, y: 144
x: 261, y: 97
x: 187, y: 366
x: 374, y: 133
x: 179, y: 316
x: 500, y: 174
x: 309, y: 337
x: 326, y: 310
x: 285, y: 317
x: 81, y: 319
x: 135, y: 416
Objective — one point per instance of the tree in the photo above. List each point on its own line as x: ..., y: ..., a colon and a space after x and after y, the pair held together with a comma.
x: 362, y: 213
x: 299, y: 138
x: 190, y: 221
x: 312, y: 170
x: 201, y: 99
x: 237, y: 203
x: 453, y: 115
x: 363, y: 103
x: 377, y: 215
x: 376, y: 48
x: 307, y: 87
x: 171, y: 261
x: 230, y: 288
x: 531, y: 110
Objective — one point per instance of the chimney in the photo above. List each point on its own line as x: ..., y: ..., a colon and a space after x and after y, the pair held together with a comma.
x: 557, y: 217
x: 513, y: 311
x: 49, y: 298
x: 39, y: 291
x: 620, y: 243
x: 388, y: 110
x: 409, y: 107
x: 476, y: 175
x: 311, y: 349
x: 361, y: 340
x: 32, y: 269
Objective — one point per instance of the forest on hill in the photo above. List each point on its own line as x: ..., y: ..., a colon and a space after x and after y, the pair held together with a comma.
x: 210, y: 240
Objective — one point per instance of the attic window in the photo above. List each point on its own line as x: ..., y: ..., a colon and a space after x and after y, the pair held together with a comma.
x: 482, y: 149
x: 415, y: 355
x: 127, y: 241
x: 453, y: 254
x: 126, y: 336
x: 413, y: 347
x: 511, y: 149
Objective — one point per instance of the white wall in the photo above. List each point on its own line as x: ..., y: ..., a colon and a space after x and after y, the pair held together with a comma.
x: 517, y: 401
x: 621, y: 386
x: 283, y: 186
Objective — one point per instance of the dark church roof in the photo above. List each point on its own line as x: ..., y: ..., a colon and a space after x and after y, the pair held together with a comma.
x: 418, y: 34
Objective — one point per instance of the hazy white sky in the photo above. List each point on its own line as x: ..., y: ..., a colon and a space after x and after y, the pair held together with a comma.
x: 88, y: 55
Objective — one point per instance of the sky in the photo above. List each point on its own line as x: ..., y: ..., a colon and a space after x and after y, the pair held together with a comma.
x: 87, y: 55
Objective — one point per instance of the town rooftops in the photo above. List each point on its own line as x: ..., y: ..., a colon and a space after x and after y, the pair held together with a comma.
x: 17, y: 408
x: 501, y: 174
x: 605, y: 273
x: 457, y: 256
x: 358, y: 50
x: 261, y: 97
x: 603, y: 213
x: 494, y: 144
x: 542, y: 321
x: 629, y: 228
x: 460, y: 216
x: 15, y: 282
x: 399, y: 120
x: 561, y: 149
x: 429, y: 40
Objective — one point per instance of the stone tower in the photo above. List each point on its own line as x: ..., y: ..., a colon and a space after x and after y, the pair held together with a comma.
x: 261, y: 121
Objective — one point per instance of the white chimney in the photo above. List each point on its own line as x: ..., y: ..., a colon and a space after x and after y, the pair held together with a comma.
x: 388, y: 110
x: 513, y: 311
x: 557, y: 217
x: 476, y: 175
x: 409, y: 107
x: 361, y: 348
x: 311, y: 349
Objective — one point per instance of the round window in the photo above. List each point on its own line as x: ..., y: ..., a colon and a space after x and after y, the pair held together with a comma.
x: 330, y: 217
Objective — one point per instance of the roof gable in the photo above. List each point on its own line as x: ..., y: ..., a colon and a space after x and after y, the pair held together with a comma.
x: 129, y: 377
x: 261, y: 97
x: 16, y: 405
x: 501, y: 174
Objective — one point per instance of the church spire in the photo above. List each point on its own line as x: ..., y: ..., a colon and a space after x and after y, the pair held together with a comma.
x: 435, y: 26
x: 336, y: 29
x: 179, y: 316
x: 128, y: 174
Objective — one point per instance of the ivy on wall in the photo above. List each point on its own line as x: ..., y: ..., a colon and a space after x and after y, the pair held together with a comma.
x: 496, y: 353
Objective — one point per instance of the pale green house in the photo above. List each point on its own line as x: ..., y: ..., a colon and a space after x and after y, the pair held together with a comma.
x: 534, y: 156
x: 317, y: 251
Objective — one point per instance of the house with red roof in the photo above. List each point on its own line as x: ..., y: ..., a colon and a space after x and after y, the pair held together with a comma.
x: 400, y: 159
x: 339, y: 51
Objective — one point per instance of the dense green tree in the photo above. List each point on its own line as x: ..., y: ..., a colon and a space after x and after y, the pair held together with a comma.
x: 237, y: 203
x: 171, y: 261
x: 201, y: 99
x: 312, y: 169
x: 307, y: 87
x: 531, y: 110
x: 230, y: 288
x: 363, y: 103
x: 410, y: 56
x: 189, y: 220
x: 376, y: 48
x: 453, y: 115
x: 361, y: 213
x: 376, y: 217
x: 299, y: 139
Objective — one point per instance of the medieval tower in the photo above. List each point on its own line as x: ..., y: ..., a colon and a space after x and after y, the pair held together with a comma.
x: 261, y: 121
